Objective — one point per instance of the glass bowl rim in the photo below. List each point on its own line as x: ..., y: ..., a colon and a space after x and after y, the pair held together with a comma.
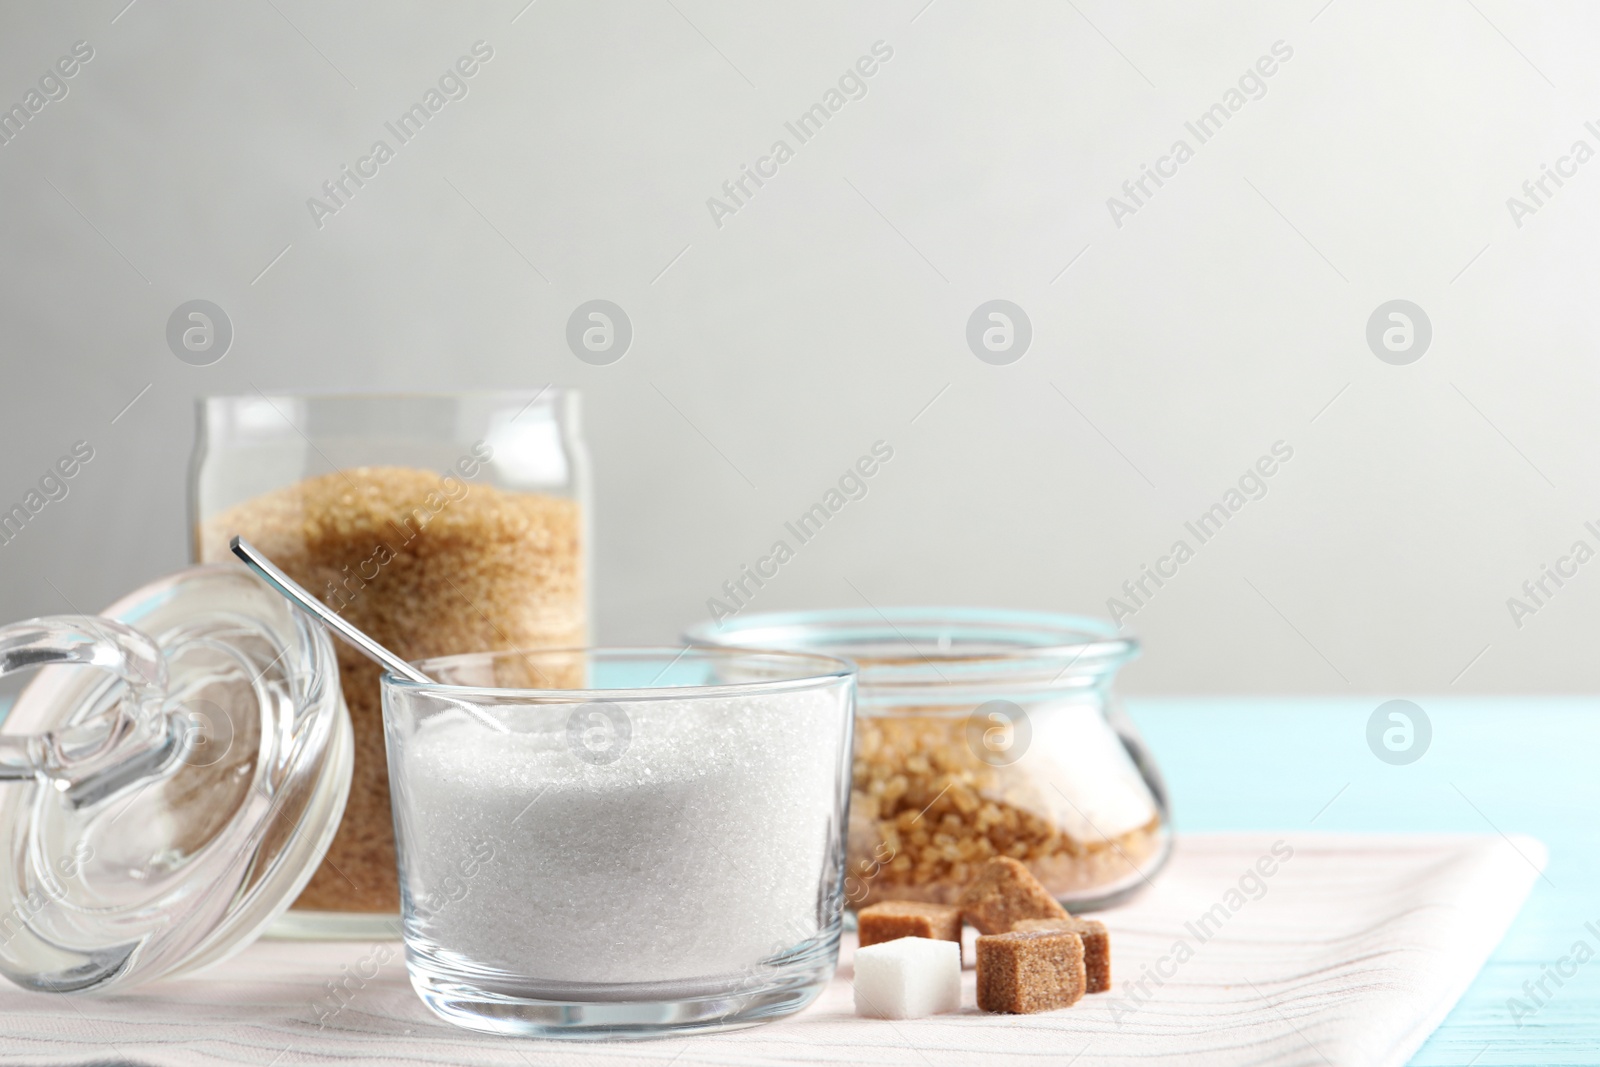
x: 1100, y: 642
x: 824, y: 670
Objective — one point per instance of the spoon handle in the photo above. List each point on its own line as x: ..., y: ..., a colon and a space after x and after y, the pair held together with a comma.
x: 269, y: 573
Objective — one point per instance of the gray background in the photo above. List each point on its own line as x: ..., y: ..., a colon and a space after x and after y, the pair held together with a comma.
x: 1229, y: 313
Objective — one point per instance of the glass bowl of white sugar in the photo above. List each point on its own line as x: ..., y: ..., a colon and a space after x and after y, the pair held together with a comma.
x: 613, y: 843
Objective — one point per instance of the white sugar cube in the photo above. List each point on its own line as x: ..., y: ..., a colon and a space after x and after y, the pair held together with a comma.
x: 908, y: 978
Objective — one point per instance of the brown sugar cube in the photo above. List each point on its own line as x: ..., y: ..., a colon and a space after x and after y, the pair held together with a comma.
x: 1004, y: 893
x: 893, y: 919
x: 1029, y: 971
x: 1096, y: 945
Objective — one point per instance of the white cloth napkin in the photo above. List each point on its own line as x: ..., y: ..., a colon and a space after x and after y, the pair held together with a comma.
x: 1294, y: 949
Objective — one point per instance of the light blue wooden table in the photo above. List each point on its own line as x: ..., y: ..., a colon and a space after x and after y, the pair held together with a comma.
x: 1509, y: 765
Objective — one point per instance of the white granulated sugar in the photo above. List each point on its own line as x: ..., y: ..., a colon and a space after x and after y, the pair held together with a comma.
x: 697, y: 853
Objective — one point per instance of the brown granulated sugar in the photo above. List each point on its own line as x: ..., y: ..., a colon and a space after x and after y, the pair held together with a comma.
x: 1038, y: 970
x: 427, y: 566
x: 920, y: 797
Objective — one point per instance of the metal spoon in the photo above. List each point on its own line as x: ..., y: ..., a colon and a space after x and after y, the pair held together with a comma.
x: 269, y: 573
x: 295, y: 594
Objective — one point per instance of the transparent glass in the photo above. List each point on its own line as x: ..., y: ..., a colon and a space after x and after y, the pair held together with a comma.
x: 620, y: 842
x: 168, y: 780
x: 984, y: 733
x: 438, y: 524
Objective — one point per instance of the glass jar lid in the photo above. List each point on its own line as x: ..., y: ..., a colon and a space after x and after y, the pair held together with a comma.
x: 159, y: 812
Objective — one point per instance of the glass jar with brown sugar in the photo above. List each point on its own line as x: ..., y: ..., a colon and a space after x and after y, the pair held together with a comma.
x: 439, y: 524
x: 983, y: 733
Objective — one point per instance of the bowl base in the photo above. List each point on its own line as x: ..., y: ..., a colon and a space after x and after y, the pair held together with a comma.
x: 615, y: 1020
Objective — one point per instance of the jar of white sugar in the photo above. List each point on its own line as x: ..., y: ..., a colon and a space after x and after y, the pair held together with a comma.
x: 620, y: 842
x: 983, y: 733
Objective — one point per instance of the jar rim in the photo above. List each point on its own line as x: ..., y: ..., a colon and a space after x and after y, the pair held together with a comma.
x: 553, y: 391
x: 911, y: 646
x: 784, y: 672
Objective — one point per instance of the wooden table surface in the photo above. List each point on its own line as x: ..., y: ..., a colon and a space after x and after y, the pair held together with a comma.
x: 1512, y: 765
x: 1501, y: 764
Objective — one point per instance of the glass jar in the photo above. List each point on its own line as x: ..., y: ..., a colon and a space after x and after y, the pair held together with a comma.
x: 438, y: 524
x: 983, y: 733
x: 620, y: 842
